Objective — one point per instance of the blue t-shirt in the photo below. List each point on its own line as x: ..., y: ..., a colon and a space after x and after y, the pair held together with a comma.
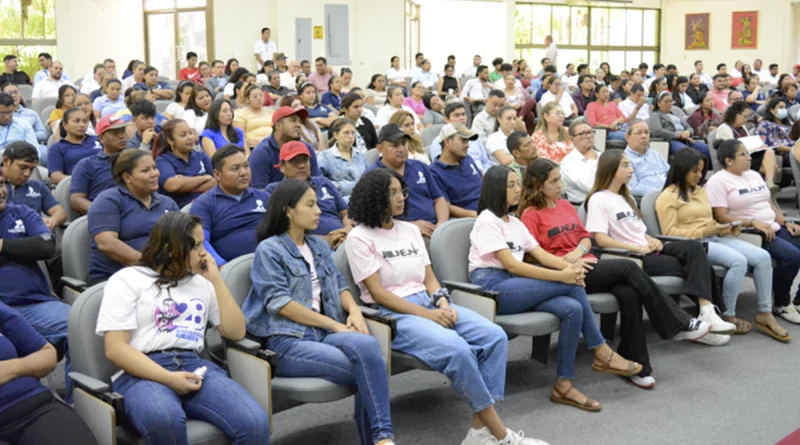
x: 160, y: 85
x: 330, y: 98
x: 92, y: 176
x: 117, y: 210
x: 422, y: 188
x: 318, y: 111
x: 219, y: 140
x: 231, y: 223
x: 460, y: 184
x: 264, y: 163
x: 64, y: 155
x: 329, y: 201
x: 18, y: 339
x: 22, y: 283
x: 33, y: 194
x: 170, y: 166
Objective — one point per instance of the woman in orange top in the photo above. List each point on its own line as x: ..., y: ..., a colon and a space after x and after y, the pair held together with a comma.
x: 603, y: 113
x: 551, y: 138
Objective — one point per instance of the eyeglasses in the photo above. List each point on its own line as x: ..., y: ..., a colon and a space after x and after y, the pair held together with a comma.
x: 13, y: 93
x: 584, y: 133
x: 641, y: 133
x: 405, y: 192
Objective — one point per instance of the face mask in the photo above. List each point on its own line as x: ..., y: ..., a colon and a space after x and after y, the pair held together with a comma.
x: 782, y: 113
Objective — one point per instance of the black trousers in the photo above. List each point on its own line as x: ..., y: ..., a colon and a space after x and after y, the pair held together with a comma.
x: 634, y: 290
x: 43, y: 420
x: 688, y: 260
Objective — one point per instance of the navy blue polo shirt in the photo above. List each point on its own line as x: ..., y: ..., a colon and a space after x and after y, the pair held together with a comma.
x: 18, y: 339
x: 33, y: 194
x: 264, y: 163
x: 63, y: 156
x: 170, y: 166
x: 422, y: 189
x: 460, y: 184
x: 117, y: 210
x: 22, y: 283
x: 330, y: 202
x: 231, y: 223
x: 92, y: 176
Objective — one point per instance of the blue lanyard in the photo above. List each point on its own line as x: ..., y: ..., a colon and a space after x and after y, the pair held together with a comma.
x: 5, y: 142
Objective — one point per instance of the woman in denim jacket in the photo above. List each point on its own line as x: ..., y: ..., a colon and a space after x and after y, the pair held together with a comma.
x: 298, y: 303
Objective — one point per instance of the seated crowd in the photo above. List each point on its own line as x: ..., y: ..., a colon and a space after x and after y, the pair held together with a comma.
x: 290, y: 165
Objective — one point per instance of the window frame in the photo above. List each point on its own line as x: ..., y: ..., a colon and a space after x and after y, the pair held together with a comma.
x: 175, y: 11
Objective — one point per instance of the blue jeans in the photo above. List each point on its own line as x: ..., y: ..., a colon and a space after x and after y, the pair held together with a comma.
x: 737, y: 255
x: 472, y: 355
x: 702, y: 147
x: 159, y: 414
x: 49, y: 318
x: 568, y: 302
x: 616, y: 135
x: 785, y: 249
x: 345, y: 358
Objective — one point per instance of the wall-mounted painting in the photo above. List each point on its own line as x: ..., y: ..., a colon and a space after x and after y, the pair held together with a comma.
x: 744, y: 32
x: 698, y: 31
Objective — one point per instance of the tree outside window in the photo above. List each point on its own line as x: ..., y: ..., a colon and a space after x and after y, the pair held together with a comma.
x: 27, y: 28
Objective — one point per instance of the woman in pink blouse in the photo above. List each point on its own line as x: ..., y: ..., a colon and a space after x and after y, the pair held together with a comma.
x: 414, y: 101
x: 551, y: 138
x: 603, y: 113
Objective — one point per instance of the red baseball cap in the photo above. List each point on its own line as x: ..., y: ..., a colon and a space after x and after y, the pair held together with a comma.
x: 282, y: 112
x: 110, y: 123
x: 292, y: 149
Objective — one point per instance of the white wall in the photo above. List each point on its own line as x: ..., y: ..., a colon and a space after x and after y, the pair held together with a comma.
x: 237, y: 26
x: 378, y: 33
x: 776, y: 35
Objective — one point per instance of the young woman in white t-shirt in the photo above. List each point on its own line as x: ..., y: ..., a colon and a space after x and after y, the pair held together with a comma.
x: 498, y: 244
x: 394, y: 103
x: 154, y: 318
x: 183, y: 92
x: 496, y: 143
x: 615, y: 222
x: 391, y: 267
x: 301, y: 306
x: 739, y: 194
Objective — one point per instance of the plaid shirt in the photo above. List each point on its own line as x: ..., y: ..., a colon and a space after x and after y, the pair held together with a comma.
x: 649, y: 171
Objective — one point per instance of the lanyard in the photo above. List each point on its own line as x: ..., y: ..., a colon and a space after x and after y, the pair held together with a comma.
x: 5, y: 141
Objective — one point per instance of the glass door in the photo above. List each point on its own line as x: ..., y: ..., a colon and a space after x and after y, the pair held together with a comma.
x: 161, y: 44
x: 173, y: 28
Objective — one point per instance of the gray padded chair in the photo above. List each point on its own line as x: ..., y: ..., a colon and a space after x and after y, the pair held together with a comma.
x: 26, y: 91
x: 62, y: 196
x: 99, y: 406
x: 712, y: 150
x: 75, y: 251
x: 429, y: 134
x: 373, y: 108
x: 43, y: 103
x: 795, y: 174
x: 288, y: 392
x: 45, y: 115
x: 372, y: 155
x: 161, y: 106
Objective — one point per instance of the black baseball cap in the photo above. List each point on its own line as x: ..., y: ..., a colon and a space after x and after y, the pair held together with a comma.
x: 392, y: 133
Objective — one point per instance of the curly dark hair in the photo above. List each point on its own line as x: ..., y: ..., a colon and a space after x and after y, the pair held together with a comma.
x: 169, y: 246
x: 369, y: 202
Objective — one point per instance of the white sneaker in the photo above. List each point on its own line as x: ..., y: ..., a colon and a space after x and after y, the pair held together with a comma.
x: 519, y: 438
x: 647, y: 382
x: 696, y: 330
x: 708, y: 313
x: 714, y: 339
x: 788, y: 313
x: 479, y: 437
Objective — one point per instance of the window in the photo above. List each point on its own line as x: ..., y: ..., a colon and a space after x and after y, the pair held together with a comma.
x: 27, y: 28
x: 412, y: 31
x: 623, y: 37
x: 173, y: 28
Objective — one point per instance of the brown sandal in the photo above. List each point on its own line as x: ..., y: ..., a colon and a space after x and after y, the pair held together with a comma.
x: 605, y: 368
x: 766, y: 329
x: 563, y: 399
x: 742, y: 326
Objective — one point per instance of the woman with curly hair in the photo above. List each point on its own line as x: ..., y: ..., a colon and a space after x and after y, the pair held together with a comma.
x: 391, y: 267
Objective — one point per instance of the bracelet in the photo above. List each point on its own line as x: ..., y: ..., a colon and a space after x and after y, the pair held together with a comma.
x: 439, y: 294
x: 585, y: 250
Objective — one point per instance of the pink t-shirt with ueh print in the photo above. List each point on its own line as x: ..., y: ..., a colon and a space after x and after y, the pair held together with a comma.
x: 491, y: 234
x: 398, y: 255
x: 611, y: 214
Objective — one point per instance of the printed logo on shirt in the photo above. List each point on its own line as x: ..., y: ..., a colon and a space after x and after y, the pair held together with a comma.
x: 560, y: 230
x: 259, y: 207
x: 32, y: 193
x: 98, y: 145
x: 19, y: 227
x: 746, y: 191
x: 622, y: 216
x: 202, y: 169
x: 325, y: 194
x: 185, y: 320
x: 474, y: 170
x: 400, y: 253
x: 421, y: 179
x: 514, y: 248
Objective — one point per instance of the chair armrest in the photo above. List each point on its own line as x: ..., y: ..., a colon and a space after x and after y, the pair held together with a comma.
x: 74, y: 283
x: 471, y: 288
x: 669, y: 239
x: 375, y: 315
x: 100, y: 390
x: 254, y: 348
x: 471, y: 296
x: 792, y: 219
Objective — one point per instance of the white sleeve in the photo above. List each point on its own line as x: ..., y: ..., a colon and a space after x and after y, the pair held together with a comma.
x: 257, y: 48
x: 118, y: 308
x: 596, y: 216
x: 213, y: 305
x: 37, y: 91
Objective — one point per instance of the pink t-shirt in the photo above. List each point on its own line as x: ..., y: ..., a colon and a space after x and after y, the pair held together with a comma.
x: 745, y: 196
x: 398, y: 255
x: 417, y: 106
x: 491, y: 234
x: 720, y: 99
x: 611, y: 214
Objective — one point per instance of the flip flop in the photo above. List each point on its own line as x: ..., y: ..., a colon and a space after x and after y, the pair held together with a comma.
x: 742, y: 326
x: 563, y: 399
x: 605, y: 368
x: 765, y: 329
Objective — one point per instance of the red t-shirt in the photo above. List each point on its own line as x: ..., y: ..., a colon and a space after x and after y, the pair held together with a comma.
x: 558, y: 230
x: 187, y: 73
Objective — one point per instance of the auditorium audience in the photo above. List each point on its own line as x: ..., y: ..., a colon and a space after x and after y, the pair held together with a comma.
x: 485, y: 122
x: 332, y: 99
x: 551, y: 139
x: 376, y: 91
x: 753, y: 94
x: 65, y: 101
x: 317, y: 113
x: 184, y: 173
x: 521, y: 147
x: 159, y: 88
x: 220, y: 131
x: 197, y: 108
x: 343, y: 163
x: 394, y: 103
x: 455, y: 113
x: 447, y: 85
x: 28, y: 115
x: 496, y: 143
x: 16, y: 129
x: 579, y: 166
x: 75, y: 144
x: 649, y: 167
x: 456, y: 174
x: 287, y: 125
x: 19, y: 160
x: 184, y: 91
x: 110, y: 101
x: 416, y: 149
x: 48, y: 87
x: 352, y: 111
x: 602, y: 113
x: 664, y: 124
x: 254, y: 119
x: 414, y: 100
x: 705, y: 118
x: 775, y: 127
x: 555, y: 93
x: 395, y: 75
x: 585, y: 93
x: 635, y: 106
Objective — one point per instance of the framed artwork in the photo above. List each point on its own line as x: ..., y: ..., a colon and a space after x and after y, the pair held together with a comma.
x: 744, y: 31
x: 698, y: 31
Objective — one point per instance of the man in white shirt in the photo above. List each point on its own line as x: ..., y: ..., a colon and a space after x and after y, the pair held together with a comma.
x: 579, y: 166
x: 736, y: 72
x: 705, y: 78
x: 658, y: 72
x: 49, y: 87
x: 417, y: 63
x: 636, y: 104
x: 477, y: 89
x: 557, y: 94
x: 94, y: 83
x: 264, y: 49
x: 472, y: 71
x: 505, y: 70
x: 758, y: 68
x: 770, y: 78
x: 428, y: 78
x: 551, y: 50
x: 45, y: 61
x: 485, y: 122
x: 288, y: 78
